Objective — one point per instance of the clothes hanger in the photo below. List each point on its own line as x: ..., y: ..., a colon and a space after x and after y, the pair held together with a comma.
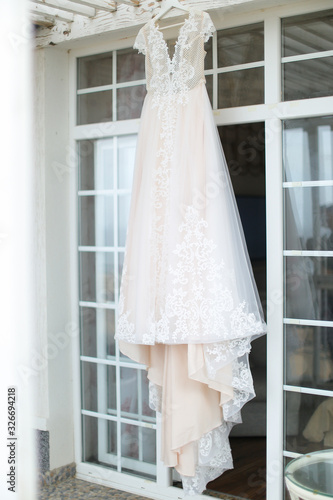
x: 168, y: 5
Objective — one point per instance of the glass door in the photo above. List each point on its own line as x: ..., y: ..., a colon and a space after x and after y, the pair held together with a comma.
x: 307, y: 42
x: 308, y: 282
x: 117, y: 423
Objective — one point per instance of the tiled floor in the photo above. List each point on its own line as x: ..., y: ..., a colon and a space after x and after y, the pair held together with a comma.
x: 77, y: 489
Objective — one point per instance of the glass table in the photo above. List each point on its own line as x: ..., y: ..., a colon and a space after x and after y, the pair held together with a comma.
x: 311, y: 476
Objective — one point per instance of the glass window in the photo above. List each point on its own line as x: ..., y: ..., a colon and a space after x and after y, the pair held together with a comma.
x: 96, y: 220
x: 307, y: 79
x: 209, y: 53
x: 308, y: 215
x: 94, y: 431
x: 130, y: 66
x: 309, y: 356
x: 309, y: 288
x: 96, y: 164
x: 301, y: 35
x: 94, y: 107
x: 209, y: 86
x: 111, y: 100
x: 94, y: 71
x: 97, y: 325
x: 241, y: 88
x: 97, y: 276
x: 130, y: 101
x: 308, y: 149
x: 308, y: 422
x: 307, y: 34
x: 240, y: 45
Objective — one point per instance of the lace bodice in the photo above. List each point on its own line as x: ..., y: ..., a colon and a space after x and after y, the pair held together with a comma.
x: 185, y: 69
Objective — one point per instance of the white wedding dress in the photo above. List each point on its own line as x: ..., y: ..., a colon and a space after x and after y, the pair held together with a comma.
x: 189, y: 307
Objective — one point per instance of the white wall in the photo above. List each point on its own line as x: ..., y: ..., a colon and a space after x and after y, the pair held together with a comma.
x: 56, y: 412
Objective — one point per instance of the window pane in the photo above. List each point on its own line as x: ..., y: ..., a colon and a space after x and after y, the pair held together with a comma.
x: 309, y: 356
x: 120, y: 266
x: 209, y: 86
x: 305, y: 417
x: 88, y: 331
x: 109, y: 325
x: 307, y: 79
x: 94, y: 107
x: 307, y: 33
x: 126, y: 158
x: 130, y: 441
x: 96, y: 276
x: 96, y: 220
x: 86, y: 164
x: 112, y: 437
x: 98, y: 387
x: 129, y: 392
x: 244, y: 148
x: 308, y: 215
x: 240, y: 45
x: 149, y: 445
x: 93, y: 71
x: 241, y: 88
x: 308, y: 149
x: 111, y: 388
x: 97, y: 325
x: 97, y: 430
x: 89, y: 386
x: 309, y: 288
x: 130, y: 66
x: 209, y: 54
x: 96, y: 164
x: 130, y: 101
x: 123, y: 215
x: 146, y: 410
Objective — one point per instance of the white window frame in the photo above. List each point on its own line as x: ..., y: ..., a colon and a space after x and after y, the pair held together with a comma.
x: 273, y: 112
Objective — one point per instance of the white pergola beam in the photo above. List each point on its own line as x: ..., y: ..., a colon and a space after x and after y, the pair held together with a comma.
x: 51, y: 12
x: 107, y: 5
x: 42, y: 20
x: 133, y: 3
x: 68, y: 6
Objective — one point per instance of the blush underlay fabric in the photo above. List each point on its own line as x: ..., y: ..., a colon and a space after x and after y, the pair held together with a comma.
x: 189, y: 306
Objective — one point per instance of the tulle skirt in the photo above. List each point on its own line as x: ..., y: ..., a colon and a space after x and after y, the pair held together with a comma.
x: 189, y: 306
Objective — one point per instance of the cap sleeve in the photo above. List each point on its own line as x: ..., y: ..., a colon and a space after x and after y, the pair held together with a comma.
x: 140, y: 42
x: 208, y: 27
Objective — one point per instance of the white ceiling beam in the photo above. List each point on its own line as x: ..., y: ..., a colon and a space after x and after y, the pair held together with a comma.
x: 50, y: 11
x: 42, y: 20
x: 133, y: 3
x: 68, y: 6
x: 107, y: 5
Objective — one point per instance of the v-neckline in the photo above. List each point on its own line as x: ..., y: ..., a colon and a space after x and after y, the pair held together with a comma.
x: 171, y: 59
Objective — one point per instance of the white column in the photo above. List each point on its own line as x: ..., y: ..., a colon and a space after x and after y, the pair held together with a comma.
x: 17, y: 258
x: 274, y: 213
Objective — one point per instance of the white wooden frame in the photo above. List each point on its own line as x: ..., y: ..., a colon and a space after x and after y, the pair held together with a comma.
x: 273, y: 112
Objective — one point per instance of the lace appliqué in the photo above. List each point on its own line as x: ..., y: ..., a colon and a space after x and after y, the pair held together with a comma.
x: 200, y: 305
x: 169, y: 85
x: 208, y: 27
x: 214, y: 457
x: 155, y: 396
x: 140, y: 43
x: 125, y: 328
